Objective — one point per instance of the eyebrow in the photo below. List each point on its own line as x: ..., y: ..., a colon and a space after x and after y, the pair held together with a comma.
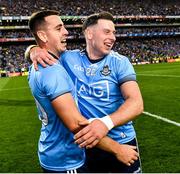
x: 57, y: 26
x: 107, y: 29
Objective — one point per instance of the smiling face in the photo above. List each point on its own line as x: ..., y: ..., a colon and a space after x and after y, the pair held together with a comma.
x: 100, y: 38
x: 56, y: 34
x: 53, y: 34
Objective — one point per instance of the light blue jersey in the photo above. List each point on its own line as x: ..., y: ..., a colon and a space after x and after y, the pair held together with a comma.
x: 98, y: 86
x: 56, y: 149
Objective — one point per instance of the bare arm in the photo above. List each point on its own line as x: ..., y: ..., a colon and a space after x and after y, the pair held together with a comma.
x: 39, y: 55
x: 132, y: 107
x: 66, y: 108
x: 128, y: 111
x: 123, y: 152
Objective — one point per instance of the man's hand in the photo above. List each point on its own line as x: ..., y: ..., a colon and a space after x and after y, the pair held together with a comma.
x: 39, y: 55
x: 127, y: 154
x: 91, y: 135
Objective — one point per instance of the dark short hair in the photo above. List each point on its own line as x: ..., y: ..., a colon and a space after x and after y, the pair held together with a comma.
x: 37, y: 18
x: 93, y: 19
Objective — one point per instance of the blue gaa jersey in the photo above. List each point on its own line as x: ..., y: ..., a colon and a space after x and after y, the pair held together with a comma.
x: 56, y: 149
x: 98, y: 86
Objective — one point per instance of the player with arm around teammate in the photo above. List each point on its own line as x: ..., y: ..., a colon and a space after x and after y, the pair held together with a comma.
x: 106, y: 87
x: 57, y: 152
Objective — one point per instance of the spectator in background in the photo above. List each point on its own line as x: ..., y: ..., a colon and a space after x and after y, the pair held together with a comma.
x: 84, y: 8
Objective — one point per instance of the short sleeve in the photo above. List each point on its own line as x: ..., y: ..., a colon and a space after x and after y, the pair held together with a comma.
x: 124, y: 69
x: 56, y: 81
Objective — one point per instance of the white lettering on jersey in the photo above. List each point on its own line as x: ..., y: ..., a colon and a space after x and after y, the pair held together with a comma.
x: 79, y: 68
x: 42, y: 114
x: 98, y: 90
x: 83, y: 89
x: 90, y: 71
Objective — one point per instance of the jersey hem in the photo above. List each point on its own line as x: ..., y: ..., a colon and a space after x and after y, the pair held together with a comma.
x: 128, y: 140
x: 62, y: 169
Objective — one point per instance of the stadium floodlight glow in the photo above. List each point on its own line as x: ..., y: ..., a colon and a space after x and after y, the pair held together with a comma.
x: 2, y: 8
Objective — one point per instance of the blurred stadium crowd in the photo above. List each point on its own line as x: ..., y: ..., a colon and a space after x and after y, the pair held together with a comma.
x: 80, y: 7
x: 142, y: 40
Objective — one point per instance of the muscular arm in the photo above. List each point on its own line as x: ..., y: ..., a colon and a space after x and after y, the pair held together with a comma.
x: 65, y: 107
x: 128, y: 111
x: 132, y: 107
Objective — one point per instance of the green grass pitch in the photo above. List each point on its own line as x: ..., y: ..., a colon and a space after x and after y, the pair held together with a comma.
x: 159, y: 141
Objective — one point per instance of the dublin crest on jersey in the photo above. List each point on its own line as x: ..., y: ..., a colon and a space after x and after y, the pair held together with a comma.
x: 105, y: 71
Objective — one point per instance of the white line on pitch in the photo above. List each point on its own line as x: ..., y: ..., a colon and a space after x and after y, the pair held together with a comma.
x: 158, y: 75
x: 162, y: 118
x: 11, y: 89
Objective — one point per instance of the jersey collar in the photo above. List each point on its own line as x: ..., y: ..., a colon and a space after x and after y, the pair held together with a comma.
x: 53, y: 55
x: 92, y: 61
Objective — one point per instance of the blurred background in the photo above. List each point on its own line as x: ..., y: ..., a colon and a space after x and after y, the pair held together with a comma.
x: 148, y: 33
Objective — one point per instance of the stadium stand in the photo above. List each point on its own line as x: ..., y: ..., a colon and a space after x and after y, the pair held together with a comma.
x: 80, y: 7
x: 146, y: 32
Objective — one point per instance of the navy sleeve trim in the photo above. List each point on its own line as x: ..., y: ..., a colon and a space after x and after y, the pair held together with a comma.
x: 58, y: 94
x: 127, y: 81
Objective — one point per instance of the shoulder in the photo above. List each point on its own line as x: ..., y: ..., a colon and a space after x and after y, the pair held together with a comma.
x: 54, y: 74
x: 116, y: 56
x: 52, y: 70
x: 117, y: 59
x: 70, y: 52
x: 71, y: 56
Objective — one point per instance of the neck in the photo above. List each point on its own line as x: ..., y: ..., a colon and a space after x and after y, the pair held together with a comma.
x: 52, y: 51
x: 92, y: 54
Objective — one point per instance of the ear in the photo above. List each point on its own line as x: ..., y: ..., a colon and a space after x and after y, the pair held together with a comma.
x: 88, y: 33
x: 42, y: 35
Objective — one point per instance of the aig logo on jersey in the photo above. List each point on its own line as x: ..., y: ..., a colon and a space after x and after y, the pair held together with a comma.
x: 105, y: 71
x: 98, y: 90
